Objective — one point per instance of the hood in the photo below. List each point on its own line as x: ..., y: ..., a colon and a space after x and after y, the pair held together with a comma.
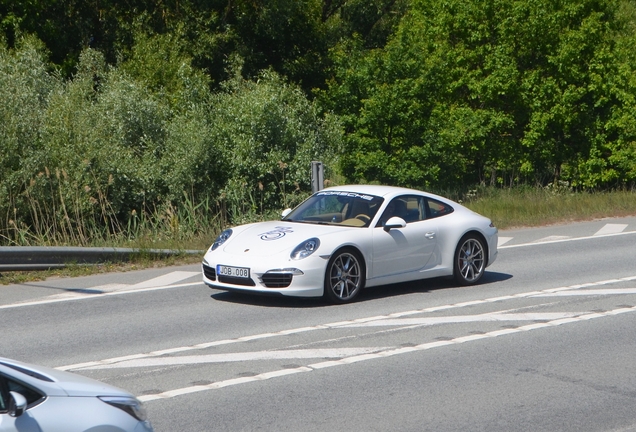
x: 269, y: 238
x: 78, y: 385
x: 59, y: 383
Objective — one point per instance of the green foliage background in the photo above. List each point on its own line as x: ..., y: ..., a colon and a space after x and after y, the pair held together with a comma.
x: 498, y: 92
x: 172, y: 119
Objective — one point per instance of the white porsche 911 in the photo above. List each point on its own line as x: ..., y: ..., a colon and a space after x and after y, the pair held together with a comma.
x: 345, y: 238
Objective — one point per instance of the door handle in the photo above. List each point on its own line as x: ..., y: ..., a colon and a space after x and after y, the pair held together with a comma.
x: 430, y: 235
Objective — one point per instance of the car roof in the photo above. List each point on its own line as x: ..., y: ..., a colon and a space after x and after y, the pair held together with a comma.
x: 378, y: 190
x: 386, y: 191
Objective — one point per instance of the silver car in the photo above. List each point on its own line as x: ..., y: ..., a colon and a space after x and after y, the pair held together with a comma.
x: 36, y: 398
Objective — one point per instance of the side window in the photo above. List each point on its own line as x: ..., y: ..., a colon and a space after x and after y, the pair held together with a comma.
x: 29, y: 393
x: 408, y: 207
x: 438, y: 208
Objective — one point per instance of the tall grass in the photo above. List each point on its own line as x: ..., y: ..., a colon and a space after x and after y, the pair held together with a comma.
x: 194, y: 225
x: 528, y: 207
x: 189, y: 224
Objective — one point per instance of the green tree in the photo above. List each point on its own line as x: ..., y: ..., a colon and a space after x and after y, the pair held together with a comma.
x: 290, y: 36
x: 270, y: 133
x: 480, y: 91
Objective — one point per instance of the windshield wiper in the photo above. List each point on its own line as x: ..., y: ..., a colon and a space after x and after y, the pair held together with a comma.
x: 313, y: 222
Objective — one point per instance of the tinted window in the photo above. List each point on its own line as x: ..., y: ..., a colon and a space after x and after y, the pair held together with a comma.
x: 4, y: 396
x: 438, y: 208
x: 408, y: 207
x: 30, y: 394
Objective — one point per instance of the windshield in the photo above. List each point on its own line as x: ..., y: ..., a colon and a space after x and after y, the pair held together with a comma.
x: 337, y: 208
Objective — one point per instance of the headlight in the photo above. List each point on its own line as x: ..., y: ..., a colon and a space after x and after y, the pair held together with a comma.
x: 305, y: 249
x: 222, y: 238
x: 132, y: 406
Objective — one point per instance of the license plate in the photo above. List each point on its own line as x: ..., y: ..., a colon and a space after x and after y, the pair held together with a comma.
x: 237, y: 272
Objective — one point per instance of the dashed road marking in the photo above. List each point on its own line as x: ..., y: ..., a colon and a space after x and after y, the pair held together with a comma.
x: 551, y: 239
x: 611, y: 229
x: 562, y: 239
x: 145, y: 361
x: 355, y: 322
x: 590, y: 292
x: 166, y: 281
x: 503, y: 240
x: 381, y: 354
x: 241, y: 357
x: 487, y: 317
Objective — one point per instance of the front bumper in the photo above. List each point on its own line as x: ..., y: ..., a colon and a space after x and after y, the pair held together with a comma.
x: 303, y: 278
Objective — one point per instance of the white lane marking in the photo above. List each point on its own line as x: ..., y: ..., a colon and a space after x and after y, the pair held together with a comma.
x: 167, y: 279
x: 161, y: 281
x: 243, y: 356
x: 489, y: 317
x: 591, y: 292
x: 567, y: 240
x: 342, y: 323
x: 550, y: 239
x: 80, y: 292
x: 94, y: 290
x: 226, y: 383
x: 503, y: 240
x: 92, y: 296
x: 381, y: 354
x: 164, y: 280
x: 611, y: 229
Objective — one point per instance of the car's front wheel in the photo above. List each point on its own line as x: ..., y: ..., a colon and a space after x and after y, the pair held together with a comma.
x: 344, y: 277
x: 470, y: 260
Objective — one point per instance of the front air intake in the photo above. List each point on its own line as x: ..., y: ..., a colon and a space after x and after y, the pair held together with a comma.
x: 209, y: 272
x: 277, y: 280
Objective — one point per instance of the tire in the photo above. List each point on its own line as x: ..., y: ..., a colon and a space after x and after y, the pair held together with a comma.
x: 470, y: 260
x: 344, y: 277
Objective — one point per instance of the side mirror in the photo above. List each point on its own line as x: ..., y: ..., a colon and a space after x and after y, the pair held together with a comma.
x: 286, y: 212
x: 17, y: 404
x: 394, y: 222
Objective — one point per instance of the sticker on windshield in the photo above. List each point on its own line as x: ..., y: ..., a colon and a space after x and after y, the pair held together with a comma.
x: 347, y: 194
x: 276, y: 233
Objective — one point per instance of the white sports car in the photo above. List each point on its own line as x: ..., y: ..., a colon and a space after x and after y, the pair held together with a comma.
x: 345, y: 238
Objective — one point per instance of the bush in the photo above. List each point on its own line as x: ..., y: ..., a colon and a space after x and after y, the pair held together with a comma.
x: 110, y: 155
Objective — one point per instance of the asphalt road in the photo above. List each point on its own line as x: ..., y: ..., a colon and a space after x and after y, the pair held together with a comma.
x: 545, y: 343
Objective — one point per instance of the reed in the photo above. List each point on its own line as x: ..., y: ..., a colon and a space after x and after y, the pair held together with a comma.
x: 61, y: 218
x: 193, y: 224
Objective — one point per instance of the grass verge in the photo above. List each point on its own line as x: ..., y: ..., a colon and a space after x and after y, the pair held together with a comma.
x: 76, y: 270
x: 508, y: 208
x: 531, y: 207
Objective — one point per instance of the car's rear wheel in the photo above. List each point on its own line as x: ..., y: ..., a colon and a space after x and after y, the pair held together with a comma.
x: 344, y: 277
x: 470, y: 260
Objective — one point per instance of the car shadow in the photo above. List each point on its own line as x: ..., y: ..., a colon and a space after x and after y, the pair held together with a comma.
x: 70, y: 290
x: 272, y: 301
x: 427, y: 285
x: 374, y: 293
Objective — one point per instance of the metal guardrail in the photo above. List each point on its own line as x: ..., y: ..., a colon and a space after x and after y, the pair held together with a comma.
x: 15, y: 258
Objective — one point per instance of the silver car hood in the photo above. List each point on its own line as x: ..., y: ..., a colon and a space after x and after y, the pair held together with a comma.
x: 56, y: 382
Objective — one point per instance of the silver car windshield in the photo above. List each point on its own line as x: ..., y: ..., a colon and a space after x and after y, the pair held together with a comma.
x: 337, y: 208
